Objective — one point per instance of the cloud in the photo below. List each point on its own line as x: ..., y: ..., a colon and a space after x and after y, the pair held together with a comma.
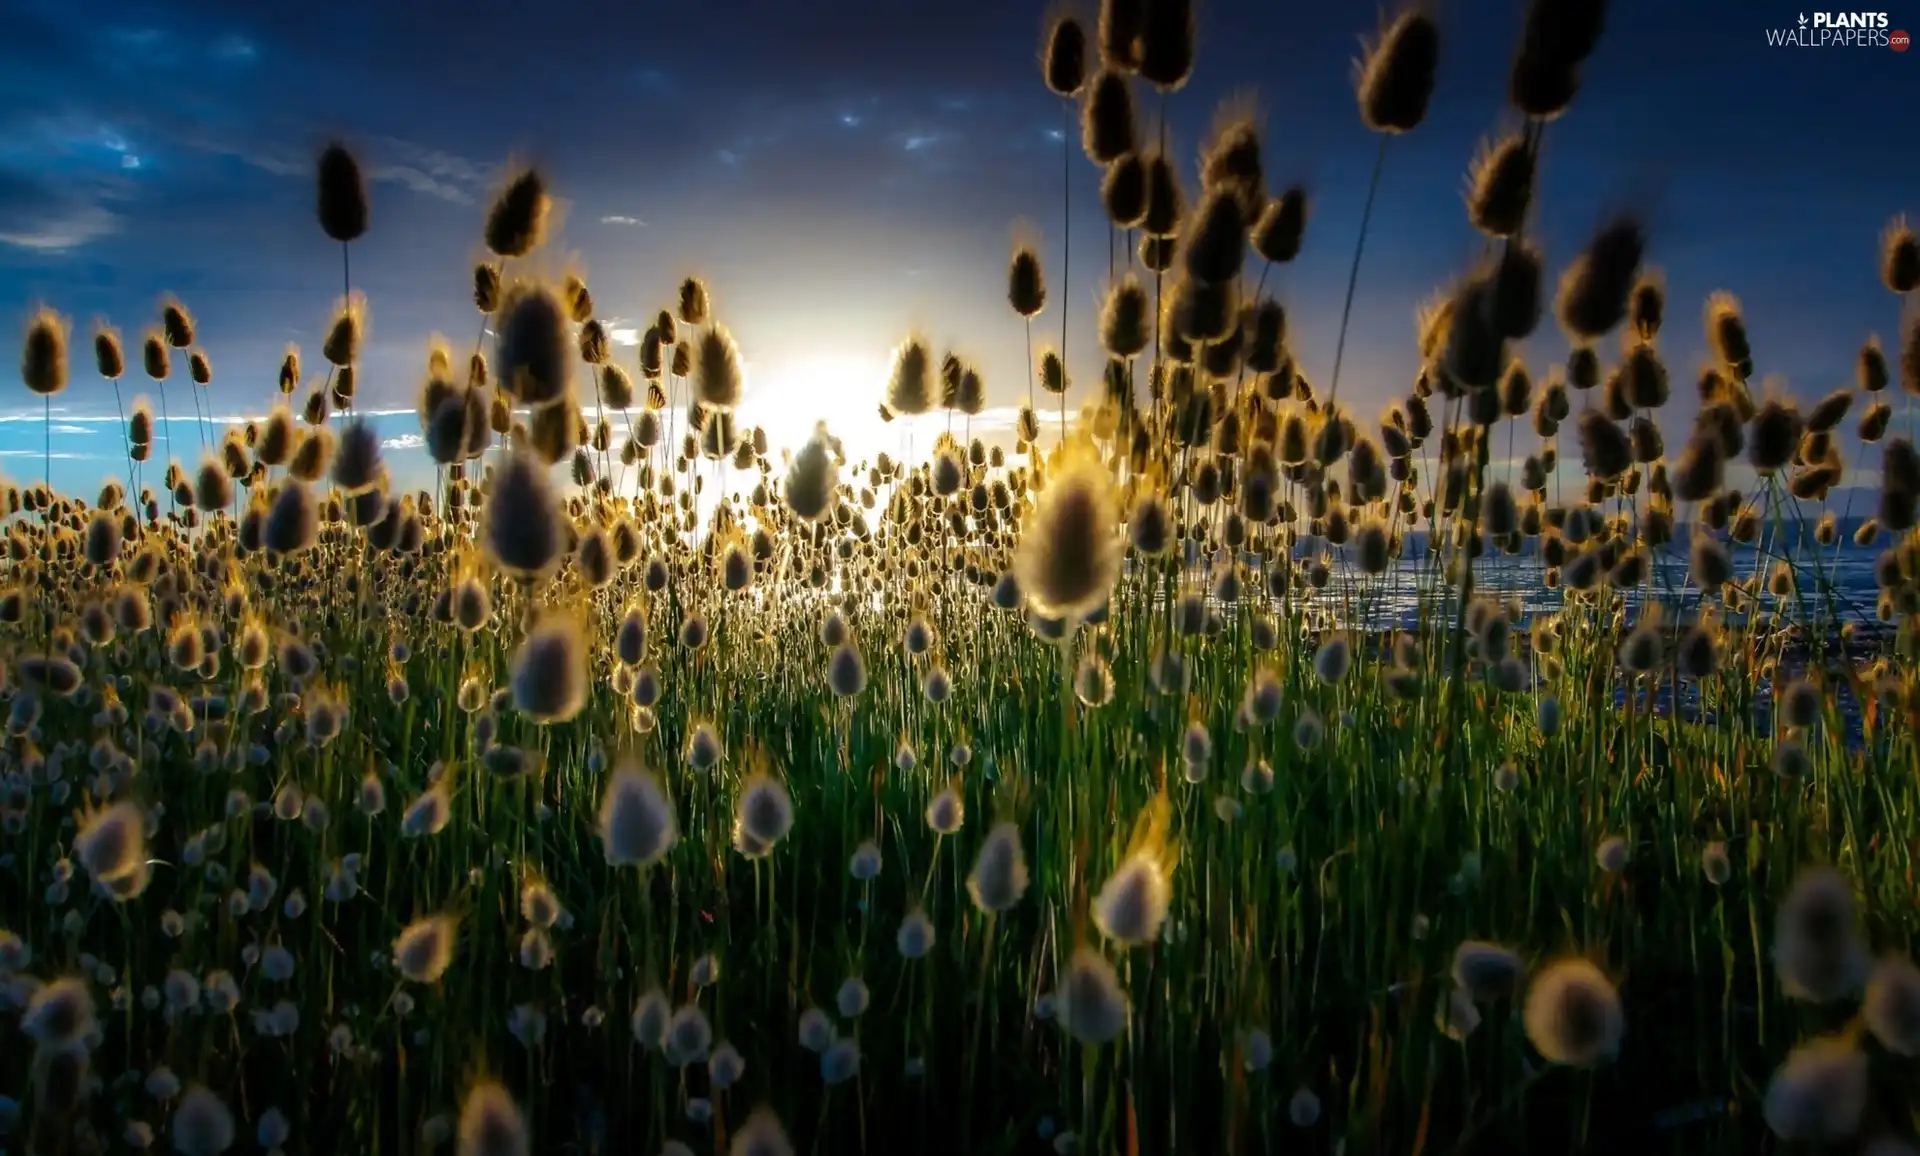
x: 618, y: 219
x: 384, y: 160
x: 404, y: 442
x: 40, y: 217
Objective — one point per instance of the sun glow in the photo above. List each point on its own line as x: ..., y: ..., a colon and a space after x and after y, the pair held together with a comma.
x: 787, y: 398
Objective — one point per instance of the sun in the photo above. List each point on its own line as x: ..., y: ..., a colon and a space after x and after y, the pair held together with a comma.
x: 788, y: 398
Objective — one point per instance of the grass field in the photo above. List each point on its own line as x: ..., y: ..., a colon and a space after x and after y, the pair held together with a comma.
x: 637, y: 788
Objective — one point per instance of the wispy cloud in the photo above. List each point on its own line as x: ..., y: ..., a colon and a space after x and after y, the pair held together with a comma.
x: 387, y: 160
x: 619, y: 219
x: 57, y: 229
x: 70, y: 422
x: 404, y: 442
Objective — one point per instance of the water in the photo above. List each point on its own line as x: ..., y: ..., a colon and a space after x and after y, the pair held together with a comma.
x: 1841, y: 575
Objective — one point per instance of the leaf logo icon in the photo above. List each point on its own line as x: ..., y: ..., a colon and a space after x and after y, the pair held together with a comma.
x: 1803, y: 20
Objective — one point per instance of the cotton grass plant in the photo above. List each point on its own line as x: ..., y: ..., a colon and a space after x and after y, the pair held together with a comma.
x: 1193, y: 782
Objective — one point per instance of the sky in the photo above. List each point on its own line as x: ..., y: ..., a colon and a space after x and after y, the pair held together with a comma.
x: 843, y: 171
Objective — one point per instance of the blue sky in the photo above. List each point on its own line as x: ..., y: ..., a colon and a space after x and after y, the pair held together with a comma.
x: 842, y: 171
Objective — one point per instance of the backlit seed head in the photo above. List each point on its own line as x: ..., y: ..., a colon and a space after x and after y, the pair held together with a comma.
x: 637, y: 824
x: 1900, y: 257
x: 846, y: 673
x: 1069, y: 553
x: 999, y: 876
x: 1026, y: 286
x: 1817, y: 948
x: 909, y: 381
x: 1132, y: 903
x: 865, y: 862
x: 425, y: 948
x: 717, y: 377
x: 1892, y: 1005
x: 703, y: 747
x: 813, y: 478
x: 1395, y: 81
x: 1715, y: 863
x: 1089, y: 1003
x: 43, y: 353
x: 1595, y: 289
x: 517, y: 219
x: 340, y: 198
x: 1332, y: 661
x: 549, y: 673
x: 763, y: 815
x: 491, y: 1124
x: 202, y: 1125
x: 915, y: 935
x: 523, y: 524
x: 1573, y: 1014
x: 59, y: 1014
x: 947, y: 811
x: 1820, y: 1093
x: 761, y: 1135
x: 111, y: 844
x: 1486, y: 971
x: 535, y: 352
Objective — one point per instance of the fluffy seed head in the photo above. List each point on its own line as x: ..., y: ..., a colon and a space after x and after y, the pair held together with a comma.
x: 1132, y: 903
x: 549, y: 674
x: 523, y: 527
x: 1726, y: 332
x: 1500, y: 186
x: 1123, y: 190
x: 1281, y: 226
x: 1573, y: 1014
x: 1026, y: 287
x: 1167, y: 43
x: 491, y: 1124
x: 1215, y: 242
x: 1777, y: 427
x: 43, y: 353
x: 915, y: 936
x: 637, y: 823
x: 1817, y: 949
x: 1819, y: 1094
x: 763, y: 815
x: 1106, y: 117
x: 293, y: 521
x: 999, y: 876
x: 107, y: 355
x: 1900, y: 257
x: 1069, y: 550
x: 1892, y: 1005
x: 1089, y: 1003
x: 846, y: 673
x: 59, y: 1014
x: 761, y: 1135
x: 717, y: 379
x: 1064, y: 58
x: 340, y: 194
x: 202, y: 1125
x: 425, y: 948
x: 1395, y: 81
x: 535, y: 353
x: 1486, y: 971
x: 1594, y: 290
x: 910, y: 380
x: 517, y: 219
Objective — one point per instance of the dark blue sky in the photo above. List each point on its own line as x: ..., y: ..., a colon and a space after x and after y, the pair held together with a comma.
x: 840, y: 171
